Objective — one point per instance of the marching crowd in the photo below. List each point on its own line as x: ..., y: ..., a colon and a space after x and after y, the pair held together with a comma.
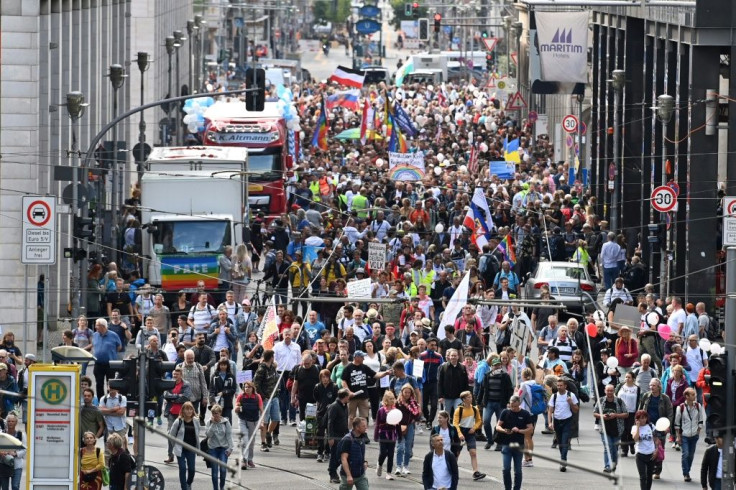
x: 395, y: 362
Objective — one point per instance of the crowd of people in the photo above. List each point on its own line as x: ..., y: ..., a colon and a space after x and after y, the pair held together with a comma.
x: 394, y: 361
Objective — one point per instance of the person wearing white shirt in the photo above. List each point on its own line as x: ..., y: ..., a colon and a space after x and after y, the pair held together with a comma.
x: 609, y: 259
x: 287, y: 355
x: 169, y: 347
x: 561, y: 407
x: 440, y: 469
x: 676, y: 321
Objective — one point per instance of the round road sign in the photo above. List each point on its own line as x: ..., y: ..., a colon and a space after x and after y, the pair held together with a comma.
x: 533, y: 116
x: 38, y: 213
x: 570, y: 123
x: 664, y: 199
x: 731, y: 208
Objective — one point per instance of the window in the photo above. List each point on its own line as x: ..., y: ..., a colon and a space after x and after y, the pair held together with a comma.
x: 191, y: 237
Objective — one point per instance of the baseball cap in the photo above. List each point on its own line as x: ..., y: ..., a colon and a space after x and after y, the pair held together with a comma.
x: 496, y: 361
x: 30, y: 357
x: 359, y: 353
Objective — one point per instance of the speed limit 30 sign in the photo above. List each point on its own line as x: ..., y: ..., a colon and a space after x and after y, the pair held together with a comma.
x: 664, y: 199
x: 570, y: 123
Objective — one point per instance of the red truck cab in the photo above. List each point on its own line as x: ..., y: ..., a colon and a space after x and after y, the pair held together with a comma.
x: 228, y: 123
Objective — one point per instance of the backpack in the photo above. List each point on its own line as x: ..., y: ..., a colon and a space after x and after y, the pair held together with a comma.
x: 714, y: 331
x: 539, y: 399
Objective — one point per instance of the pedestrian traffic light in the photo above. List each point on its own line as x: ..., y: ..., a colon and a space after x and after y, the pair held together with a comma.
x: 415, y: 10
x: 489, y: 62
x: 126, y: 377
x: 255, y: 78
x: 159, y: 377
x: 408, y: 9
x: 484, y: 34
x: 716, y: 399
x: 423, y: 29
x: 437, y: 21
x: 84, y: 228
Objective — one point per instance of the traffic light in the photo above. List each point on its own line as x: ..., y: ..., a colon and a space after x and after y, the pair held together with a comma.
x: 423, y: 29
x: 158, y: 372
x: 489, y: 62
x: 437, y: 22
x: 126, y: 377
x: 415, y: 9
x: 408, y: 9
x: 484, y: 34
x: 716, y: 399
x: 255, y: 101
x: 84, y: 228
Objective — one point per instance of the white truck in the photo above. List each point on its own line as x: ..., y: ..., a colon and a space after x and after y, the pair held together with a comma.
x: 192, y: 205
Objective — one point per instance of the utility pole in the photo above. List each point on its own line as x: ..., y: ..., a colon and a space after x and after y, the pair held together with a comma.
x: 729, y: 462
x: 618, y: 81
x: 141, y: 428
x: 117, y: 78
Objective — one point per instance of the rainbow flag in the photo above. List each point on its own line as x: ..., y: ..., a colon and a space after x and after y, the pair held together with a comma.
x: 396, y: 141
x: 319, y: 139
x: 268, y: 331
x: 181, y: 272
x: 509, y: 254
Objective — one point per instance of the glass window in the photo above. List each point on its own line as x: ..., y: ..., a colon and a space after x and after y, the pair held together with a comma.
x: 188, y: 237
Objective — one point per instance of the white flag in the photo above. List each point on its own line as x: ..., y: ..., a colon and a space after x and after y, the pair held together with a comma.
x: 563, y: 45
x: 455, y: 305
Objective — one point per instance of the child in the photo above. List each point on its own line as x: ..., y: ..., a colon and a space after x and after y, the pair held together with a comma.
x: 386, y: 435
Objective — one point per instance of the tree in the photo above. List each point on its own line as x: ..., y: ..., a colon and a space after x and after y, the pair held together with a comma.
x: 335, y: 11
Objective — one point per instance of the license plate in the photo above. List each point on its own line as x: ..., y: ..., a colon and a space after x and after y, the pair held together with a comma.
x: 567, y: 290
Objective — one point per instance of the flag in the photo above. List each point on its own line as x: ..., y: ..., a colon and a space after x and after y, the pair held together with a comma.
x: 507, y: 245
x: 376, y: 121
x: 473, y: 160
x: 365, y: 120
x: 442, y: 96
x: 511, y: 150
x: 403, y: 120
x: 348, y: 77
x: 479, y: 219
x: 455, y: 305
x: 404, y: 71
x: 268, y: 332
x: 319, y: 139
x: 347, y: 99
x: 396, y: 140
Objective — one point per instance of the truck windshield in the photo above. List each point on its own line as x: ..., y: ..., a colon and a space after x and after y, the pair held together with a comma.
x: 191, y: 237
x: 265, y: 164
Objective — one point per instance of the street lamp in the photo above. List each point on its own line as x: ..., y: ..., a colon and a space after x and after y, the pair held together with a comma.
x: 618, y: 80
x: 191, y: 29
x: 199, y: 23
x: 507, y: 21
x: 170, y: 48
x: 179, y: 39
x: 117, y: 78
x: 76, y: 106
x: 664, y: 111
x: 140, y: 155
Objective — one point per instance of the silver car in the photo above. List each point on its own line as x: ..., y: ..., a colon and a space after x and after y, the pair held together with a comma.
x: 566, y: 282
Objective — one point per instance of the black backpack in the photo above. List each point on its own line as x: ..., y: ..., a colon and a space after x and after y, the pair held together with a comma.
x: 714, y: 332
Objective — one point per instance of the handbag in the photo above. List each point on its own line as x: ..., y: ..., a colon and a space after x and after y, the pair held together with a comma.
x: 106, y: 477
x: 659, y: 453
x: 204, y: 446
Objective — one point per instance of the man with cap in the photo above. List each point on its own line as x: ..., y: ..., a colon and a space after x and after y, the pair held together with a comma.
x: 23, y: 376
x: 355, y: 378
x: 247, y: 322
x: 618, y: 292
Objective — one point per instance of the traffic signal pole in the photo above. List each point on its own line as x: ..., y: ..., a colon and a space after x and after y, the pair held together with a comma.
x: 729, y: 476
x: 141, y: 428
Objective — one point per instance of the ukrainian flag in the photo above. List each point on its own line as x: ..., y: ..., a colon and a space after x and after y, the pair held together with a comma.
x: 511, y: 150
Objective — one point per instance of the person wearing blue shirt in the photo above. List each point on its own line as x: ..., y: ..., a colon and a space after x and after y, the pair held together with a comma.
x: 106, y: 347
x: 314, y: 327
x: 507, y: 273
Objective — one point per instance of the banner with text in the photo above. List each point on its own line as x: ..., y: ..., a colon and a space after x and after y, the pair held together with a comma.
x: 376, y: 256
x: 406, y: 166
x: 562, y: 41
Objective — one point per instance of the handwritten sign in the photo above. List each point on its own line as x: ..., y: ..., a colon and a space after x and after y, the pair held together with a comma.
x: 359, y: 289
x: 376, y: 256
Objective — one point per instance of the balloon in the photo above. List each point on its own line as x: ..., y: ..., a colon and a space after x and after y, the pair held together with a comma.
x: 379, y: 163
x: 612, y: 362
x: 715, y: 349
x: 652, y: 318
x: 440, y: 157
x: 591, y: 329
x: 470, y: 136
x: 494, y: 126
x: 394, y: 417
x: 662, y: 424
x: 665, y: 331
x: 483, y: 147
x: 438, y: 171
x: 705, y: 345
x: 440, y: 227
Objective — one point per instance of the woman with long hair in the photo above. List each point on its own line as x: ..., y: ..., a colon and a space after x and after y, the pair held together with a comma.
x: 411, y: 412
x: 186, y: 429
x: 92, y: 462
x: 11, y: 423
x: 374, y: 360
x: 82, y: 336
x: 385, y: 435
x: 630, y: 394
x: 646, y: 447
x: 249, y: 407
x: 223, y: 388
x: 242, y: 272
x: 179, y: 307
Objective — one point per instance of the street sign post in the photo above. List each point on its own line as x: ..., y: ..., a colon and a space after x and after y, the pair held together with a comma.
x: 39, y: 230
x: 729, y: 221
x: 570, y: 123
x: 664, y: 199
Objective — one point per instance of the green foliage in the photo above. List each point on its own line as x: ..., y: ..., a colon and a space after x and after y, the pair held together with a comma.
x: 331, y: 11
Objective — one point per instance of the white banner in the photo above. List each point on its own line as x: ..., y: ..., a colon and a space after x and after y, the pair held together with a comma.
x: 410, y: 28
x: 563, y: 45
x: 541, y: 125
x: 454, y: 306
x: 376, y: 256
x: 406, y: 166
x: 359, y: 289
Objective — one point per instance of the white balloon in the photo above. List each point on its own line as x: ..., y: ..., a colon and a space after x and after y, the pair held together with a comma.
x: 447, y: 119
x: 440, y: 227
x: 612, y: 362
x: 652, y: 319
x: 494, y: 126
x: 438, y: 171
x: 705, y: 345
x: 463, y: 169
x: 440, y: 157
x: 470, y: 136
x: 483, y: 147
x: 716, y: 349
x: 379, y: 163
x: 394, y: 417
x: 662, y: 424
